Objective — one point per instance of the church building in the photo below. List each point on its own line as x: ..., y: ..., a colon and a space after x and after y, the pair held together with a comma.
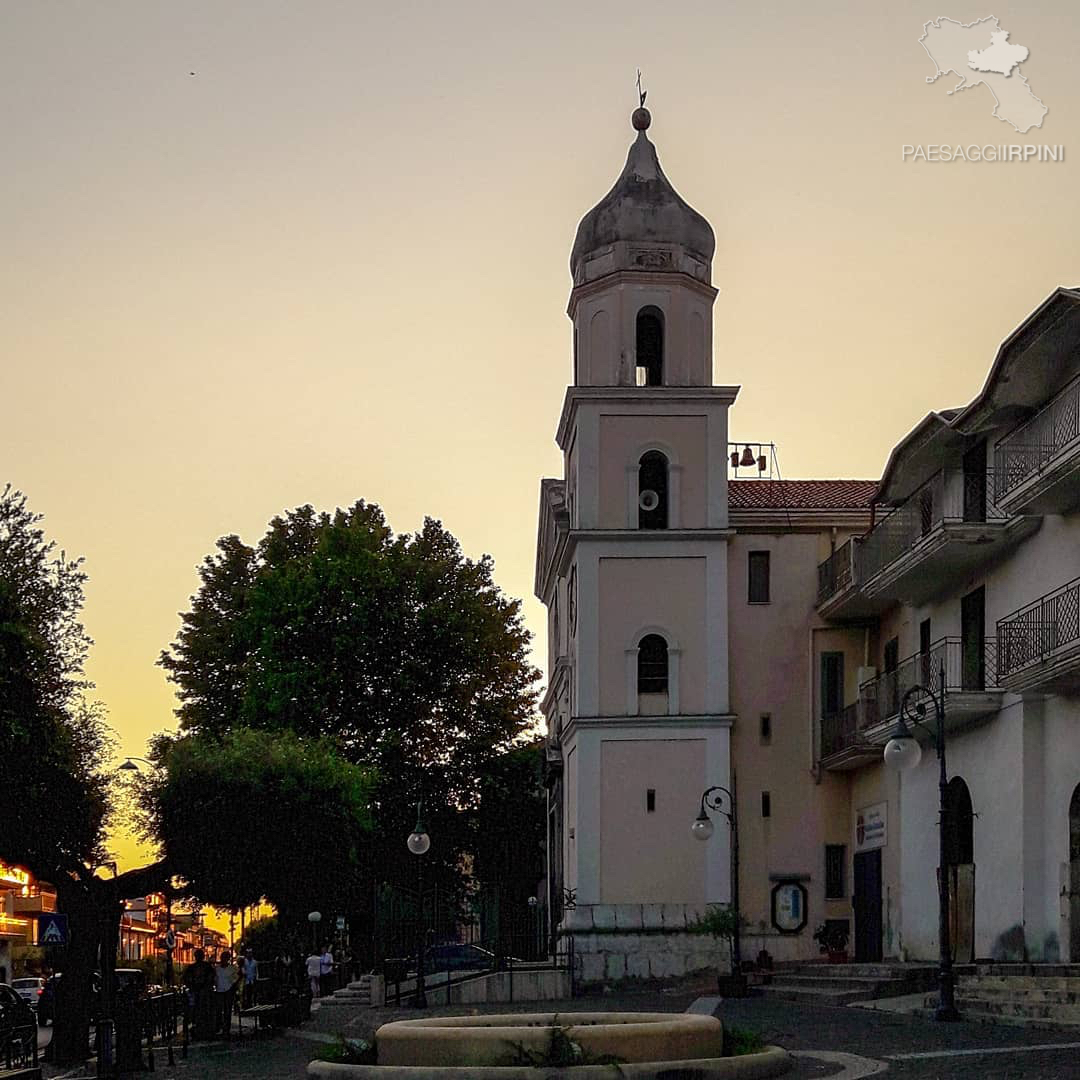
x: 756, y: 638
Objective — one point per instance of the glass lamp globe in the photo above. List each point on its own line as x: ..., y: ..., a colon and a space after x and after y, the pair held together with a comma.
x: 419, y: 842
x: 702, y: 829
x: 903, y: 753
x: 314, y: 916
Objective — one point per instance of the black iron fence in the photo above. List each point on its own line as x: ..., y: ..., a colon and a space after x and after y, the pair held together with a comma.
x: 452, y: 963
x: 970, y: 664
x: 1040, y: 630
x: 18, y: 1046
x: 839, y: 730
x: 951, y: 496
x: 141, y: 1028
x: 1032, y: 446
x: 837, y: 572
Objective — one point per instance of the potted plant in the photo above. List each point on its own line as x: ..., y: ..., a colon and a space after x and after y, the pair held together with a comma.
x: 832, y: 939
x: 721, y: 921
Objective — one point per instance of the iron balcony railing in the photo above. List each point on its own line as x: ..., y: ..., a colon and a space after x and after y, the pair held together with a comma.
x: 839, y: 730
x: 1039, y: 630
x: 837, y: 572
x: 951, y: 496
x: 969, y: 664
x: 1032, y: 446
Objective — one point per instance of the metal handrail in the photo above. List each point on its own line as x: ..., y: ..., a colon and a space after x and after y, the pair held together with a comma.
x: 837, y: 572
x: 1031, y: 447
x: 951, y: 496
x: 839, y: 730
x: 1038, y: 630
x: 969, y: 669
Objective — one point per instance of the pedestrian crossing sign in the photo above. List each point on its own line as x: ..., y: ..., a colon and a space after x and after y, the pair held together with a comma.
x: 52, y: 928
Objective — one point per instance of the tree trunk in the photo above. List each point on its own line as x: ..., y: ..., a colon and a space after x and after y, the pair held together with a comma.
x: 72, y: 1006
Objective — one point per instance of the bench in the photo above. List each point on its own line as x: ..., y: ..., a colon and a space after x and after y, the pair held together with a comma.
x: 265, y: 1017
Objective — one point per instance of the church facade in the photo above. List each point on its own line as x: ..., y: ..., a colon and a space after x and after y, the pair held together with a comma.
x: 757, y: 636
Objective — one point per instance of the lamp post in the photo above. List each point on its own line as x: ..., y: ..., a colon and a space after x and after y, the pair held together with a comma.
x: 713, y: 799
x: 902, y: 752
x: 418, y: 843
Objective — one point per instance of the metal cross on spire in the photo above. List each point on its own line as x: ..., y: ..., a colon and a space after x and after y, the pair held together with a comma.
x: 642, y: 94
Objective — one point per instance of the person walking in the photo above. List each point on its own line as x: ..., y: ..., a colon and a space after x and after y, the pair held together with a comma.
x: 198, y: 979
x: 326, y: 970
x: 314, y: 967
x: 250, y: 968
x: 225, y: 979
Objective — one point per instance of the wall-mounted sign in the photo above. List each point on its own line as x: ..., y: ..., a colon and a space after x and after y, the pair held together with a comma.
x: 12, y: 875
x: 871, y: 827
x: 52, y: 928
x: 789, y: 907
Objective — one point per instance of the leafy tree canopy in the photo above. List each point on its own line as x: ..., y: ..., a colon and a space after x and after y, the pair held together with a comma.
x: 254, y: 815
x: 399, y: 648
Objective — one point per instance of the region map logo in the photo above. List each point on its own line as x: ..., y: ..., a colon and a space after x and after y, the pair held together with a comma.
x: 980, y: 54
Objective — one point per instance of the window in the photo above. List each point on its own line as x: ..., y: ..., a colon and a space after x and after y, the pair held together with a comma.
x: 832, y: 683
x: 652, y: 665
x: 766, y: 727
x: 650, y: 347
x: 766, y: 804
x: 652, y: 490
x: 758, y: 577
x: 650, y: 800
x: 835, y: 860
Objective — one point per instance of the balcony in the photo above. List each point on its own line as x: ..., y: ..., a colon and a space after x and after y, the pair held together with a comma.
x: 844, y: 745
x: 947, y: 529
x: 1039, y: 645
x: 972, y: 691
x: 839, y: 595
x: 1037, y: 466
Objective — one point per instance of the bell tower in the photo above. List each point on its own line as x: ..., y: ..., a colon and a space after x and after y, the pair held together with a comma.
x: 632, y: 565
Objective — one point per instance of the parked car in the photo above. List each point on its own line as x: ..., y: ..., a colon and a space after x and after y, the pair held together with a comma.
x: 16, y: 1019
x: 29, y: 989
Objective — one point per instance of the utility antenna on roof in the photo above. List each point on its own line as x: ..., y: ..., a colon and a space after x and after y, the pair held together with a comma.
x: 642, y: 94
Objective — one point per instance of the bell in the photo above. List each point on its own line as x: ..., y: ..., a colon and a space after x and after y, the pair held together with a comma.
x: 734, y: 459
x: 747, y: 457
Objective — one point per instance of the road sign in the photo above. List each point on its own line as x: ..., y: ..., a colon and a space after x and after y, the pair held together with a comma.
x: 341, y: 922
x: 52, y: 928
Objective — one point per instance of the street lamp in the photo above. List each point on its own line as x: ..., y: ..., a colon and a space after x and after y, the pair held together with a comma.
x: 902, y: 752
x: 418, y: 843
x: 314, y: 917
x: 128, y: 764
x: 713, y: 799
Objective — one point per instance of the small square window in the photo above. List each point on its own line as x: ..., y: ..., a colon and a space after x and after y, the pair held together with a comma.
x: 758, y: 577
x: 766, y: 804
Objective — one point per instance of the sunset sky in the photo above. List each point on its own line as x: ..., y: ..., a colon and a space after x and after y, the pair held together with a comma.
x: 258, y: 254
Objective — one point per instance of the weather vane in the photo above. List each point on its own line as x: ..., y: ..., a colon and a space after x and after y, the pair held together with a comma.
x: 642, y: 94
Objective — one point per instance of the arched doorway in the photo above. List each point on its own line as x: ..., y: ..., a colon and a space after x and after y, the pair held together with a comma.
x: 960, y: 867
x: 1074, y: 876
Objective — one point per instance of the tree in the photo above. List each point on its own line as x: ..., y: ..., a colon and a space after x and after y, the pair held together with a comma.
x: 54, y: 788
x: 400, y: 649
x: 256, y: 816
x: 227, y: 809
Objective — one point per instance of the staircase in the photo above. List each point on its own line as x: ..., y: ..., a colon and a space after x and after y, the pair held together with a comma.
x: 367, y: 992
x: 842, y: 984
x: 1034, y: 995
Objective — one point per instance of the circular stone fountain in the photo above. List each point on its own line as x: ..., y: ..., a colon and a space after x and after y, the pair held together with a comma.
x: 499, y: 1046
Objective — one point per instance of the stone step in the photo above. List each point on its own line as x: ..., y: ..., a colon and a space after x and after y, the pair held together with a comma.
x: 1050, y: 995
x: 877, y: 971
x: 1013, y: 1008
x: 817, y: 995
x: 1020, y: 982
x: 835, y: 982
x: 1048, y: 971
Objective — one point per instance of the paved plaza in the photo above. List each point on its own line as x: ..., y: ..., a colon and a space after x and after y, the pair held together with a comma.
x: 877, y: 1043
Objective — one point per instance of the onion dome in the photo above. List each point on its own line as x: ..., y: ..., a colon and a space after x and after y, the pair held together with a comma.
x: 642, y: 223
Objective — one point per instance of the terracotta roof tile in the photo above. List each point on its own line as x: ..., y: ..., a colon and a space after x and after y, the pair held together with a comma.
x: 800, y: 494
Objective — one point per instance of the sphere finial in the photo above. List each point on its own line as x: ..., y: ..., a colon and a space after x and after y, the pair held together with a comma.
x: 641, y: 119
